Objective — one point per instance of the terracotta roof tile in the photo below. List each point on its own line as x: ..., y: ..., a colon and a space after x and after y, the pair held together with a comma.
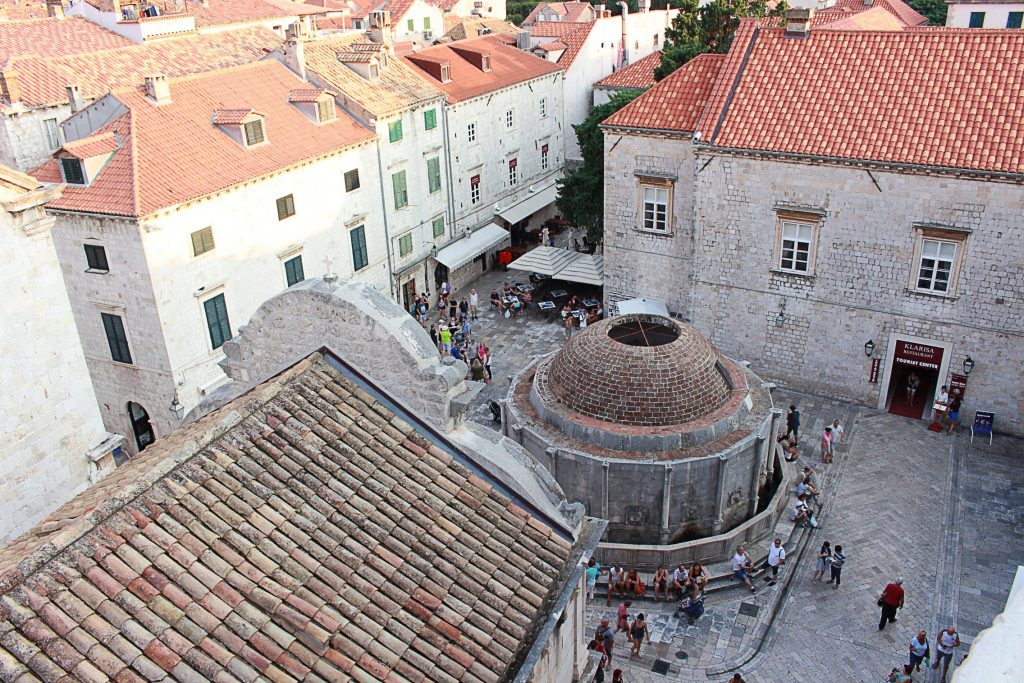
x: 173, y: 153
x: 901, y: 10
x: 55, y: 37
x: 91, y: 146
x: 676, y: 102
x: 17, y: 10
x: 573, y: 34
x: 568, y: 11
x: 509, y: 66
x: 911, y: 97
x: 391, y: 610
x: 635, y: 76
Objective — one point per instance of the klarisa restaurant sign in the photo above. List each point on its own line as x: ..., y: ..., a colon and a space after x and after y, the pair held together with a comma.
x: 918, y: 355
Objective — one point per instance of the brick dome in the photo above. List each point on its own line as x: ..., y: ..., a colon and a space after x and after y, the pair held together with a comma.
x: 640, y: 370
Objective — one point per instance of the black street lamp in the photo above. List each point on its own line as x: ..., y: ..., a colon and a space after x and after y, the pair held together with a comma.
x: 869, y: 348
x: 968, y: 365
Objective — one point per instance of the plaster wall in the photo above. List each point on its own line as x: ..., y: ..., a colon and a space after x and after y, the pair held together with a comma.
x: 996, y: 13
x: 48, y: 412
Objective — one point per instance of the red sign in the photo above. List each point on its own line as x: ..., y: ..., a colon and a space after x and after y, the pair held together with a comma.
x: 474, y: 180
x: 957, y: 386
x: 876, y: 363
x: 543, y: 149
x: 512, y: 163
x: 918, y: 355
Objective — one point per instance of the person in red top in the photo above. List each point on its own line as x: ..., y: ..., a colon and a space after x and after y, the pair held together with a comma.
x: 890, y: 600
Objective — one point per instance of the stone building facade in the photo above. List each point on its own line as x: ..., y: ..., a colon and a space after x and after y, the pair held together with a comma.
x: 854, y: 277
x: 55, y: 442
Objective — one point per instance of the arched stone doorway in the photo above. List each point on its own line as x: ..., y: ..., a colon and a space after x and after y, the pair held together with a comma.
x: 141, y: 428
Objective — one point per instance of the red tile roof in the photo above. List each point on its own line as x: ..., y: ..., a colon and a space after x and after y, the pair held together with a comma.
x: 231, y: 117
x: 904, y: 12
x: 676, y: 102
x: 92, y: 146
x: 342, y: 23
x: 398, y: 8
x: 43, y: 80
x: 636, y: 76
x: 574, y: 34
x: 174, y: 153
x: 569, y: 11
x: 222, y: 12
x: 873, y: 19
x: 509, y: 66
x: 948, y: 98
x: 18, y: 10
x: 305, y: 531
x: 305, y: 94
x: 55, y: 37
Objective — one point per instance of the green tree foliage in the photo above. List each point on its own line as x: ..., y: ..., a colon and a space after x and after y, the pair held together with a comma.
x: 581, y: 191
x: 697, y: 30
x: 935, y: 10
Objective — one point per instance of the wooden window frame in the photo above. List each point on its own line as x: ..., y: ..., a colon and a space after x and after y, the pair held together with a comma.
x: 405, y: 244
x: 200, y: 245
x: 360, y: 252
x: 395, y: 133
x: 434, y: 224
x: 294, y: 275
x: 925, y: 233
x: 119, y: 345
x: 96, y: 259
x: 352, y: 181
x: 253, y: 133
x: 285, y: 207
x: 430, y: 119
x: 811, y: 220
x: 655, y: 183
x: 400, y: 196
x: 217, y: 327
x: 434, y: 175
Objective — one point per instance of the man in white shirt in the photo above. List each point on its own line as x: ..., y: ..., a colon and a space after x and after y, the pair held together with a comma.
x: 474, y: 301
x: 741, y: 566
x: 776, y: 558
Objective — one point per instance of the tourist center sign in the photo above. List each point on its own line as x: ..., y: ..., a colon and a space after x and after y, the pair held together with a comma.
x: 918, y: 355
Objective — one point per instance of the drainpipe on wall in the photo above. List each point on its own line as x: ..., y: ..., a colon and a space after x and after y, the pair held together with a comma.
x: 448, y: 165
x: 384, y: 216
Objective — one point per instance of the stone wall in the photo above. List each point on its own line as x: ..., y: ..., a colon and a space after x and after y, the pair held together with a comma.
x: 23, y: 143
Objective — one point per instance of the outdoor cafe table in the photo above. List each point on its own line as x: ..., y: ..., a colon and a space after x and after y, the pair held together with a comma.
x: 559, y: 294
x: 547, y: 307
x: 590, y: 303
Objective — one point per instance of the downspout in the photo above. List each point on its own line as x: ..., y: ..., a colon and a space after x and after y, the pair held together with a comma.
x: 448, y: 169
x: 384, y: 214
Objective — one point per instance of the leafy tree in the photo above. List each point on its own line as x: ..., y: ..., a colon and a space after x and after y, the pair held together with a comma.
x: 697, y: 30
x: 935, y: 10
x: 581, y: 191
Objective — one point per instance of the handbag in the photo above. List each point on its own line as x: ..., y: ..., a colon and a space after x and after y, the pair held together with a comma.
x: 880, y: 602
x: 508, y: 314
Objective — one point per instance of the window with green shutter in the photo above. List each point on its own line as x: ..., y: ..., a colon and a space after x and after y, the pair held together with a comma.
x: 977, y: 20
x: 352, y: 180
x: 438, y: 224
x: 96, y: 258
x: 430, y: 119
x: 217, y: 320
x: 117, y: 340
x: 359, y: 257
x: 293, y: 271
x: 405, y: 245
x: 434, y: 174
x: 395, y: 131
x: 426, y: 23
x: 410, y: 25
x: 400, y: 189
x: 1014, y: 19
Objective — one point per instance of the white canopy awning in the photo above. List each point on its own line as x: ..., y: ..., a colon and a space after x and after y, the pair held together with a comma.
x: 652, y: 306
x: 587, y: 269
x: 531, y: 204
x: 545, y: 260
x: 462, y: 251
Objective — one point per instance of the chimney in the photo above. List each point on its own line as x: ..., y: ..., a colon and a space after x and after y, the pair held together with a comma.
x: 380, y: 29
x: 158, y: 89
x: 798, y: 22
x: 599, y: 11
x: 9, y: 84
x: 645, y: 6
x: 625, y: 8
x: 868, y: 3
x: 625, y: 34
x: 295, y: 54
x: 75, y: 98
x: 55, y: 9
x: 523, y: 40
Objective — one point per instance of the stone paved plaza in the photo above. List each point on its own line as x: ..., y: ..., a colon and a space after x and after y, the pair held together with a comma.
x: 945, y: 515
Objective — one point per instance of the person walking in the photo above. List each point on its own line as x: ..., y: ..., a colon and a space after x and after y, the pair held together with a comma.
x: 592, y: 572
x: 824, y: 562
x: 836, y: 568
x: 474, y: 303
x: 446, y: 340
x: 622, y: 618
x: 954, y: 415
x: 606, y: 636
x: 742, y: 567
x: 484, y: 354
x: 793, y: 423
x: 945, y: 642
x: 837, y: 437
x: 776, y: 558
x: 637, y: 632
x: 890, y: 600
x: 826, y: 445
x: 920, y: 651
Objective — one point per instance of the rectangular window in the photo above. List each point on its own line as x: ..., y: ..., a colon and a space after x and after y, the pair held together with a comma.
x: 217, y: 320
x: 405, y: 245
x: 53, y: 138
x: 293, y: 272
x: 935, y: 270
x: 285, y: 207
x: 471, y: 132
x: 509, y: 119
x: 325, y: 110
x: 434, y: 175
x: 438, y: 225
x: 410, y: 25
x: 655, y: 208
x: 1015, y: 20
x: 426, y: 23
x: 73, y: 171
x: 977, y: 20
x: 513, y: 171
x: 400, y: 189
x: 543, y: 157
x: 795, y: 248
x: 96, y: 258
x: 202, y: 241
x: 430, y: 119
x: 395, y: 131
x: 359, y: 257
x: 352, y: 180
x: 543, y: 107
x: 474, y: 190
x: 253, y: 133
x: 117, y: 340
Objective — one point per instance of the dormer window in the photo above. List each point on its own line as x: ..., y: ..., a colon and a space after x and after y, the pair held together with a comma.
x: 254, y: 133
x: 485, y: 62
x: 316, y: 104
x: 446, y: 73
x: 324, y: 110
x: 71, y: 169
